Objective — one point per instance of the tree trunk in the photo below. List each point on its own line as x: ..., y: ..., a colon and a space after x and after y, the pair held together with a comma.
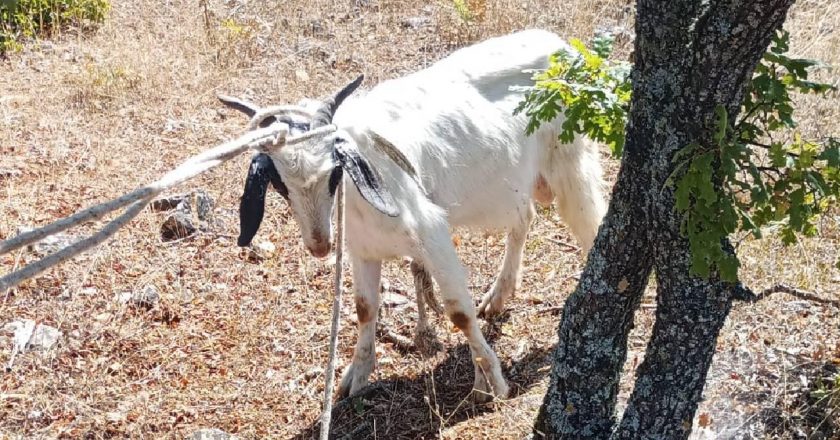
x: 690, y: 57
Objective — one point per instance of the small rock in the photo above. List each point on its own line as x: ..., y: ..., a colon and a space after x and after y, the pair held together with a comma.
x: 266, y: 247
x: 312, y: 373
x: 168, y: 203
x: 416, y: 22
x: 49, y: 245
x: 146, y: 297
x: 211, y: 434
x: 103, y: 317
x: 67, y: 294
x: 8, y: 172
x: 301, y: 75
x: 316, y: 26
x: 182, y: 221
x: 203, y: 205
x: 29, y: 336
x: 177, y: 225
x: 172, y: 125
x: 44, y: 338
x: 115, y: 416
x: 391, y: 299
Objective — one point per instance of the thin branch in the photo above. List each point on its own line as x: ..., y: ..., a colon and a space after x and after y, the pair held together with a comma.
x: 749, y: 113
x: 571, y: 246
x: 769, y: 170
x: 326, y: 416
x: 784, y: 288
x: 757, y: 144
x: 389, y: 335
x: 765, y: 146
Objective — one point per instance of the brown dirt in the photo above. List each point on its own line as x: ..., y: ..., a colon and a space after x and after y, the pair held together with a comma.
x: 238, y: 343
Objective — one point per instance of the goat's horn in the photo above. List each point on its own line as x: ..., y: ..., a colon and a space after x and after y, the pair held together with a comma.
x: 325, y: 113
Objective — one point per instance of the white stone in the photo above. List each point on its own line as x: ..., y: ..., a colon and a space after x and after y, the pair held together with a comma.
x: 211, y: 434
x: 29, y: 336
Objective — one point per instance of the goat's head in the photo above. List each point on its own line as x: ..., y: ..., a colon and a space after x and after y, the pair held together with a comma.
x: 307, y: 173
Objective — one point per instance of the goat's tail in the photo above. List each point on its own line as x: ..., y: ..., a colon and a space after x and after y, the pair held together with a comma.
x: 571, y: 175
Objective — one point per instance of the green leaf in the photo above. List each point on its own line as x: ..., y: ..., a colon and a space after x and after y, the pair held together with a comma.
x: 721, y: 124
x: 602, y: 44
x: 778, y: 156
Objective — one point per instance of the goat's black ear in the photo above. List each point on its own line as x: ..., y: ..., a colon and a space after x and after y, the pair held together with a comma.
x: 252, y: 203
x: 365, y: 177
x: 249, y: 108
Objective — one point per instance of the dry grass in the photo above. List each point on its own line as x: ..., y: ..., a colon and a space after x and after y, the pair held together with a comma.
x: 236, y: 344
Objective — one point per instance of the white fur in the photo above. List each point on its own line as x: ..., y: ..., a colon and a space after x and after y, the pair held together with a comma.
x: 454, y: 122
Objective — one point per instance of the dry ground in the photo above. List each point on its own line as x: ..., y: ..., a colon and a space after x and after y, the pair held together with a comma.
x: 236, y: 343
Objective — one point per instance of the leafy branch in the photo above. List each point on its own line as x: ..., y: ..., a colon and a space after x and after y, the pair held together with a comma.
x: 743, y: 180
x: 591, y: 92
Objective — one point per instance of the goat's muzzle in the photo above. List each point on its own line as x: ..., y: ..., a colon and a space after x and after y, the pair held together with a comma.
x: 320, y: 246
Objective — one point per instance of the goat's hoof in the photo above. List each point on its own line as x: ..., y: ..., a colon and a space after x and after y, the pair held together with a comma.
x: 478, y: 397
x: 342, y: 393
x: 481, y: 396
x: 483, y: 392
x: 489, y: 308
x: 351, y: 382
x: 427, y: 342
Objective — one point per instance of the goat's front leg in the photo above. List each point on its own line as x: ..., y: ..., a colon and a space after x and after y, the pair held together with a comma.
x: 440, y: 259
x: 366, y: 277
x: 493, y: 302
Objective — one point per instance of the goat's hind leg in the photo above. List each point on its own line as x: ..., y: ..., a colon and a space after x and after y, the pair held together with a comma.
x: 493, y: 302
x: 425, y: 338
x: 366, y: 277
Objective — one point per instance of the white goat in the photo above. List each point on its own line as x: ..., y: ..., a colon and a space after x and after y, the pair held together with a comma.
x: 436, y: 149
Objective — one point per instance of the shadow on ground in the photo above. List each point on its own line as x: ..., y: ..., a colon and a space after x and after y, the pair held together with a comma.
x: 808, y: 407
x: 419, y: 407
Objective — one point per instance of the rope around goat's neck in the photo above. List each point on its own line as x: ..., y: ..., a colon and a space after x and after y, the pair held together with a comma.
x: 326, y: 416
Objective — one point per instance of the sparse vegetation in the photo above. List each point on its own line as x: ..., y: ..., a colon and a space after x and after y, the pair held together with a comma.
x: 97, y: 85
x: 25, y: 19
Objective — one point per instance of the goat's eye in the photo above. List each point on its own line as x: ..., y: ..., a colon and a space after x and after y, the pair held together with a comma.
x: 335, y: 177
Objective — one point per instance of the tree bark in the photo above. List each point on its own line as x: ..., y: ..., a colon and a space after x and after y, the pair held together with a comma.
x: 690, y: 57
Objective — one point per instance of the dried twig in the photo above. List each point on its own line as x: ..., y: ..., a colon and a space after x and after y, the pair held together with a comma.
x: 798, y: 293
x: 549, y: 309
x: 571, y: 246
x: 326, y: 416
x: 389, y: 335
